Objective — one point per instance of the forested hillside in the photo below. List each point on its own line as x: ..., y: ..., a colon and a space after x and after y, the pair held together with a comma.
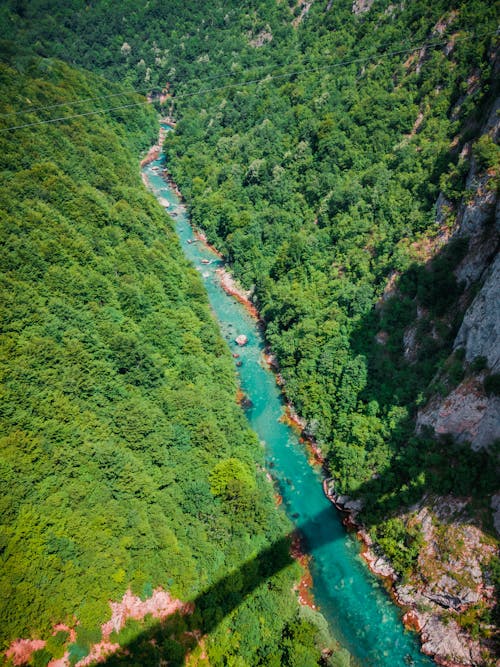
x: 319, y: 187
x: 336, y: 188
x: 338, y: 154
x: 126, y: 462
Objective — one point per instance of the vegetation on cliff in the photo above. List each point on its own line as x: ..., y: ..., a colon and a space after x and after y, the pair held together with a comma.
x: 313, y: 155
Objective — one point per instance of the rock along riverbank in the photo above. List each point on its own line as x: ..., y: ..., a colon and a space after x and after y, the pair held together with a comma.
x: 359, y: 612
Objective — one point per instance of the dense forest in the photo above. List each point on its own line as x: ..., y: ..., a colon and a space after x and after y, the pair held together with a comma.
x: 126, y: 461
x: 312, y: 143
x: 316, y: 188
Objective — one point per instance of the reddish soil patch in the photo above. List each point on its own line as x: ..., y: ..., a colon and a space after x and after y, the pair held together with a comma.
x: 411, y: 622
x: 270, y: 360
x: 292, y: 419
x: 316, y: 457
x: 20, y: 650
x: 152, y: 155
x: 62, y: 627
x: 200, y: 236
x: 98, y: 653
x: 197, y: 660
x: 229, y: 286
x: 160, y: 605
x: 303, y: 588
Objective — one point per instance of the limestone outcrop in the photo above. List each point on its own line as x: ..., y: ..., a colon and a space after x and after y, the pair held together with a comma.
x: 468, y: 412
x: 479, y: 334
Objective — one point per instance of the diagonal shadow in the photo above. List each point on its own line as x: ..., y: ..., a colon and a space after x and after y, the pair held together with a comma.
x: 157, y: 644
x: 447, y: 467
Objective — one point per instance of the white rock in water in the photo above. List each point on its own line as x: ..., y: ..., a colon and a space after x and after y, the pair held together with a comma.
x: 241, y: 339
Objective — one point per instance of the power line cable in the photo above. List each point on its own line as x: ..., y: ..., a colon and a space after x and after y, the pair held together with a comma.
x: 264, y: 79
x: 77, y: 115
x: 73, y: 102
x: 341, y: 63
x: 150, y: 89
x: 231, y: 74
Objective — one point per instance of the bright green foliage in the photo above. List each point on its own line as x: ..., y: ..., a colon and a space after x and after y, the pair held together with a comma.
x: 228, y: 476
x: 487, y: 153
x: 126, y: 461
x: 316, y: 185
x: 232, y: 481
x: 400, y: 543
x: 314, y: 162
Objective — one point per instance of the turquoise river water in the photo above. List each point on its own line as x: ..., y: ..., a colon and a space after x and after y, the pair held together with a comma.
x: 360, y: 613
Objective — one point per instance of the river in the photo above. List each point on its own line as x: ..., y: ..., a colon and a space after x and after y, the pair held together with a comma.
x: 359, y: 610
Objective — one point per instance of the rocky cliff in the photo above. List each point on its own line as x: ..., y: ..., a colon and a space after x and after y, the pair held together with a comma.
x: 449, y: 596
x: 470, y: 412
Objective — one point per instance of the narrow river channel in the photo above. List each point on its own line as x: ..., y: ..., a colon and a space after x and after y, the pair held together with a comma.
x: 361, y: 614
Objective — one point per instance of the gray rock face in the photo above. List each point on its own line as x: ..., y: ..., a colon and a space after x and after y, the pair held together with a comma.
x: 467, y: 414
x: 495, y: 506
x: 349, y: 503
x: 480, y: 330
x: 410, y: 348
x: 445, y: 600
x: 448, y: 640
x: 361, y: 6
x: 480, y: 222
x: 479, y: 219
x: 466, y: 597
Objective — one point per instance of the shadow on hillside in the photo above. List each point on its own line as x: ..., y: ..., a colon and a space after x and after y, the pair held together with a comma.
x: 418, y: 463
x: 407, y: 343
x: 150, y: 647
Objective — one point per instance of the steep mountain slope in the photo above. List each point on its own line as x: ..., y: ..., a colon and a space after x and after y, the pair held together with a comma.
x: 321, y: 190
x: 127, y: 466
x: 343, y: 156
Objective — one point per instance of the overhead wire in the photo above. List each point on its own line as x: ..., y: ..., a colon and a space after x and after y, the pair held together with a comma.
x: 132, y: 91
x: 262, y: 79
x: 139, y: 91
x: 341, y: 63
x: 150, y: 89
x: 74, y: 102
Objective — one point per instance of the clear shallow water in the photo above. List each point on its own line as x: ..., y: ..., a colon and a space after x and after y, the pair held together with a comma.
x: 354, y: 602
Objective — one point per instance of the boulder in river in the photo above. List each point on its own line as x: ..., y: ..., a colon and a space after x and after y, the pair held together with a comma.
x: 241, y: 339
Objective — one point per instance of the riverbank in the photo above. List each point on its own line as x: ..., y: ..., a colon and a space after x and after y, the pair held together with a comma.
x: 233, y: 289
x: 290, y: 417
x: 432, y: 599
x: 427, y: 604
x: 155, y: 151
x: 335, y: 560
x: 230, y: 287
x: 304, y: 587
x: 350, y: 509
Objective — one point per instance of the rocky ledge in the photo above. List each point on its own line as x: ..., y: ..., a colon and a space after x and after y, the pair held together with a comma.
x: 448, y: 586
